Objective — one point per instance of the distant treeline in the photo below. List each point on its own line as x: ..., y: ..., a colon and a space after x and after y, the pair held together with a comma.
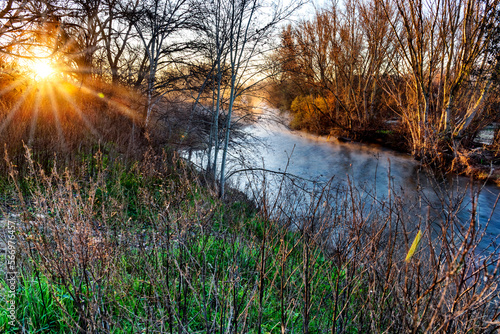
x: 356, y: 64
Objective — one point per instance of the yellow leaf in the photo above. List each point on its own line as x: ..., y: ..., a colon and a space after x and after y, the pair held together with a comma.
x: 414, y: 246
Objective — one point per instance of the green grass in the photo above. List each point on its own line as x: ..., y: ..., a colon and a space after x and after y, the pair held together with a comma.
x: 43, y: 305
x: 144, y: 247
x: 385, y: 132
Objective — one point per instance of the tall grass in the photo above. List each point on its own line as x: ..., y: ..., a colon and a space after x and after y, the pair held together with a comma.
x: 67, y: 119
x: 147, y: 248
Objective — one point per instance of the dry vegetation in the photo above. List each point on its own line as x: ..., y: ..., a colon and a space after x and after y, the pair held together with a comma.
x: 419, y: 76
x: 116, y: 233
x: 113, y: 240
x: 149, y: 248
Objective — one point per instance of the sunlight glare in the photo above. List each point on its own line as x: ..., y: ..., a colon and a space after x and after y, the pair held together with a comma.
x: 42, y: 69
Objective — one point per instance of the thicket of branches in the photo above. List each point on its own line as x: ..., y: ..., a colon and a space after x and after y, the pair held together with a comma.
x: 110, y: 246
x: 190, y: 60
x: 431, y: 65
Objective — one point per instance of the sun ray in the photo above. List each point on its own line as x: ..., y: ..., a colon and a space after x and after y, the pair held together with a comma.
x: 34, y: 118
x: 79, y: 111
x: 55, y: 111
x: 17, y: 106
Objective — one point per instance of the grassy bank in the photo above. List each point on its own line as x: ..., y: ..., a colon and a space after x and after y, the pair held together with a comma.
x: 146, y: 247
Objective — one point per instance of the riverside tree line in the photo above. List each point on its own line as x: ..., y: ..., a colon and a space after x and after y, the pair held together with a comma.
x: 353, y: 66
x: 432, y: 65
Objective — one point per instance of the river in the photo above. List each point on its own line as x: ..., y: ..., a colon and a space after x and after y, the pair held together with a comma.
x: 369, y: 167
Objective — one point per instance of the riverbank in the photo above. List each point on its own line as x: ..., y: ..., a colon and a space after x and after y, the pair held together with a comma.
x: 148, y: 247
x: 480, y: 162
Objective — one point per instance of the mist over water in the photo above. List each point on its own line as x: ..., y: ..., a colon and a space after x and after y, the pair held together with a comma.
x: 368, y: 167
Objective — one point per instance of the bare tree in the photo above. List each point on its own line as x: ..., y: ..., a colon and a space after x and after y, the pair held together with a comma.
x: 442, y: 46
x: 157, y: 21
x: 116, y: 32
x: 216, y: 36
x: 237, y: 32
x: 428, y: 62
x: 79, y: 35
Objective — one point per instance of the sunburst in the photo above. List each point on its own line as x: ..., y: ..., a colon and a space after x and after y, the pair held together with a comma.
x: 42, y: 68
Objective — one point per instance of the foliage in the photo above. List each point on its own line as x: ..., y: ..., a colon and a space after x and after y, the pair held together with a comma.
x: 145, y: 247
x: 430, y: 66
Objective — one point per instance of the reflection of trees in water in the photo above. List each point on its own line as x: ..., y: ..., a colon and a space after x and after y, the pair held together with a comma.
x: 374, y: 173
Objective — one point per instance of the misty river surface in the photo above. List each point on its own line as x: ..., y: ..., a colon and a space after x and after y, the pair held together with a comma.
x: 275, y: 147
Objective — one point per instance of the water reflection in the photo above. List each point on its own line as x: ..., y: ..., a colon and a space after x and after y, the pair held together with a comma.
x: 370, y: 168
x: 320, y: 159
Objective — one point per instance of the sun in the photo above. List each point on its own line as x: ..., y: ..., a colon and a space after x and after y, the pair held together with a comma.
x: 42, y: 69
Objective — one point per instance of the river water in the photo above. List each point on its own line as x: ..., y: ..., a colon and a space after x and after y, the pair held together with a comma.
x: 275, y: 147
